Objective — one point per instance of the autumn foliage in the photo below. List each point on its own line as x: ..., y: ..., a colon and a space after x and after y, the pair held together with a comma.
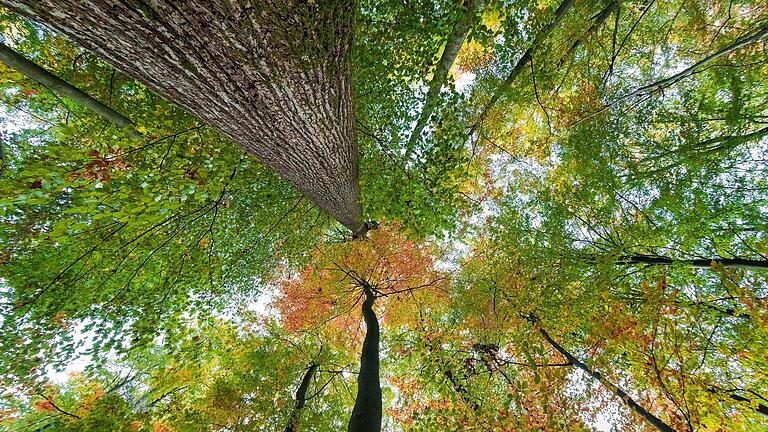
x: 401, y: 272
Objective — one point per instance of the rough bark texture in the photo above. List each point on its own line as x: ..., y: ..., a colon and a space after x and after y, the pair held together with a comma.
x: 272, y: 75
x: 31, y: 70
x: 366, y: 415
x: 301, y: 398
x: 631, y: 403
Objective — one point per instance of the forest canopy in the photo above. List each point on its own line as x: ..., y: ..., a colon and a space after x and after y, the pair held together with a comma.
x: 399, y: 215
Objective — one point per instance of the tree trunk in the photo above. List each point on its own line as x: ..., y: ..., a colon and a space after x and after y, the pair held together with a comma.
x: 631, y: 403
x: 450, y: 52
x: 366, y: 415
x: 695, y: 263
x: 527, y: 56
x: 301, y: 398
x: 31, y: 70
x: 274, y: 76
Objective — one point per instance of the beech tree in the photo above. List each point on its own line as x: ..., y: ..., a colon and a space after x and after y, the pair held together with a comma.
x: 274, y: 77
x: 383, y: 215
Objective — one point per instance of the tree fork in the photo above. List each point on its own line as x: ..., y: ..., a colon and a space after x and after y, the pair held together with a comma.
x: 366, y: 415
x: 273, y: 76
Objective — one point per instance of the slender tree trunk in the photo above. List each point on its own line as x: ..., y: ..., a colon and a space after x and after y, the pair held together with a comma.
x: 450, y: 52
x: 560, y: 12
x: 301, y: 398
x: 55, y: 84
x: 600, y: 18
x: 272, y: 75
x: 685, y: 73
x: 696, y: 263
x: 631, y: 403
x: 366, y: 415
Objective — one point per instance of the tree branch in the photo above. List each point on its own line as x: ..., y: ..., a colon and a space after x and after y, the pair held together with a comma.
x: 631, y: 403
x: 521, y: 63
x: 55, y: 84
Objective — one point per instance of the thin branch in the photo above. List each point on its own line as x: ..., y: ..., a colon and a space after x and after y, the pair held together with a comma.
x: 56, y: 407
x: 631, y: 403
x: 690, y: 70
x: 521, y: 63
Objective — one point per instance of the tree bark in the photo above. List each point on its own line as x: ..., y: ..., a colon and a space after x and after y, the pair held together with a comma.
x: 274, y: 76
x: 301, y: 398
x: 35, y: 72
x: 631, y: 403
x: 560, y: 12
x: 366, y: 415
x: 450, y: 52
x: 695, y: 263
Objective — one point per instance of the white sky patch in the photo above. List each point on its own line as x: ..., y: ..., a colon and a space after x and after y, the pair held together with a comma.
x: 79, y: 360
x: 463, y: 80
x: 261, y: 303
x: 607, y: 418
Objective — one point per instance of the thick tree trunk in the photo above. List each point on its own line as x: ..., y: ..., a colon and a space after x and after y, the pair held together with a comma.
x: 631, y: 403
x: 272, y: 75
x: 301, y: 398
x: 366, y: 415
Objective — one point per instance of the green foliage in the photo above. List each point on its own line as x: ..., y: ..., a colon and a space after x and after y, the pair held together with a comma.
x: 589, y: 196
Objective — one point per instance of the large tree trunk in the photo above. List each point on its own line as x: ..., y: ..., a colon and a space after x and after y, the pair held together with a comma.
x: 272, y: 75
x: 366, y: 415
